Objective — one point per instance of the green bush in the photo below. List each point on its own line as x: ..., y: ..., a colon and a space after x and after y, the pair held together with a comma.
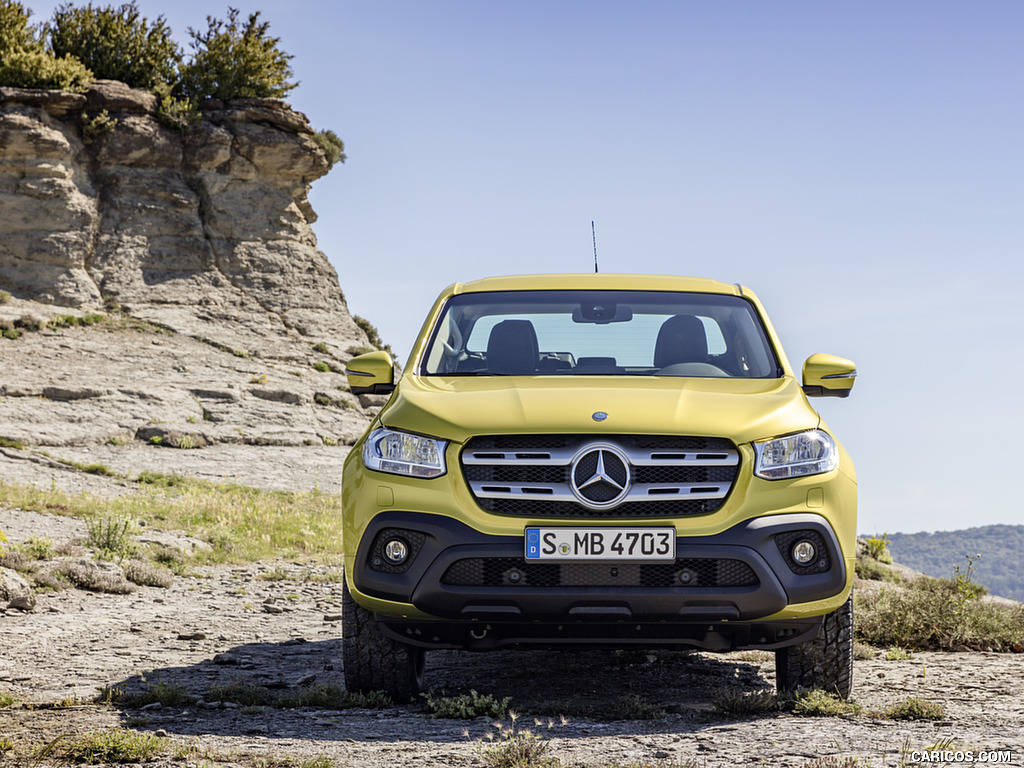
x: 466, y: 706
x: 942, y: 614
x: 232, y: 60
x: 117, y: 44
x: 878, y: 548
x: 332, y: 146
x: 15, y: 31
x: 914, y: 708
x: 815, y: 702
x: 40, y: 69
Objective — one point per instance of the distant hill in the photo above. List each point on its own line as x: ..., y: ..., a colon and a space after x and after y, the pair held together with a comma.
x: 1000, y: 568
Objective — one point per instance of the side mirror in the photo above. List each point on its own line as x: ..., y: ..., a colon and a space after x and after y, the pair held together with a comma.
x: 828, y: 376
x: 371, y: 374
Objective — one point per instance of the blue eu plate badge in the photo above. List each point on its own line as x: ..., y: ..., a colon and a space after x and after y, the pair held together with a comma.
x: 533, y: 542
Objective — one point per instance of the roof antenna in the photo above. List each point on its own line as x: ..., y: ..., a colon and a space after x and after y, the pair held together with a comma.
x: 593, y: 234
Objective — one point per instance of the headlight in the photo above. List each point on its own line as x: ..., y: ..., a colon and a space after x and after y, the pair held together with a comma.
x: 808, y: 453
x: 401, y: 453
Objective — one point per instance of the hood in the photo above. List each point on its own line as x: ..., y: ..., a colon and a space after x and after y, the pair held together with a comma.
x: 457, y: 408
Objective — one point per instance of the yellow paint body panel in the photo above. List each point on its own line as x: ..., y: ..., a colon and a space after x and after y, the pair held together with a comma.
x: 743, y: 410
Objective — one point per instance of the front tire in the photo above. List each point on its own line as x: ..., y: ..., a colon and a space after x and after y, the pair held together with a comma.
x: 373, y: 661
x: 825, y: 662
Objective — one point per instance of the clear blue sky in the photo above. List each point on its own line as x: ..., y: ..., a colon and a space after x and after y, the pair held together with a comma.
x: 858, y: 164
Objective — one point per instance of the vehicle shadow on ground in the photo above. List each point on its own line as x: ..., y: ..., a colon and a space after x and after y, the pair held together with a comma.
x: 638, y: 691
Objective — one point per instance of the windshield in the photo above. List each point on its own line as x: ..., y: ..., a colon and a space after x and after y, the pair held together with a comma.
x: 634, y: 333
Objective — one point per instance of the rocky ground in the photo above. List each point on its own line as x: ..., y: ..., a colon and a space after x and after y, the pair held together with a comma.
x: 276, y: 625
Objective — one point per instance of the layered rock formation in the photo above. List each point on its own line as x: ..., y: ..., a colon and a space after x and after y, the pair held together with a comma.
x: 204, y: 230
x: 224, y: 325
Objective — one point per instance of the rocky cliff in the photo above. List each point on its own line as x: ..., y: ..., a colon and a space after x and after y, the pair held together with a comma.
x: 221, y: 320
x: 204, y: 230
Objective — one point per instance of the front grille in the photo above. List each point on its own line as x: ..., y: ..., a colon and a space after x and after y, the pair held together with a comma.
x: 517, y: 572
x: 565, y: 476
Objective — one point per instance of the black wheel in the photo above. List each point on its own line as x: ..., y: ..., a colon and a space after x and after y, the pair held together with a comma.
x: 373, y: 661
x: 825, y: 662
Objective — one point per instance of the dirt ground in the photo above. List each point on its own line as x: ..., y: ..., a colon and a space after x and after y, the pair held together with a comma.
x: 277, y: 625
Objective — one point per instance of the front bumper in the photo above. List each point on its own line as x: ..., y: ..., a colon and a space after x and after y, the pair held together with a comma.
x: 483, y: 593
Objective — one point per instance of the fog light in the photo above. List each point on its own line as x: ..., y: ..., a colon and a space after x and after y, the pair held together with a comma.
x: 396, y: 551
x: 803, y: 552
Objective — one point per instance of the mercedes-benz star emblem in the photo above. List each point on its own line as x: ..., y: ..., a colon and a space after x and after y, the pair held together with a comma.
x: 599, y: 416
x: 600, y: 476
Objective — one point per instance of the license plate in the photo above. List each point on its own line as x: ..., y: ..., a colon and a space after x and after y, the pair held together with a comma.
x: 601, y: 544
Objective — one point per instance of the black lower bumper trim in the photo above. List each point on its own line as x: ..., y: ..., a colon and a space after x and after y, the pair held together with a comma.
x: 771, y: 586
x: 707, y: 636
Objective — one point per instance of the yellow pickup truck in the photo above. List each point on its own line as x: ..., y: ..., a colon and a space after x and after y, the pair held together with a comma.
x: 598, y: 460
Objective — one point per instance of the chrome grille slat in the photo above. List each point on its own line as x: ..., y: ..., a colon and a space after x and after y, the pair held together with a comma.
x: 668, y: 475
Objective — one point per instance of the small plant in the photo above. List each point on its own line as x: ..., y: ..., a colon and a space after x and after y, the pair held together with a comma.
x: 5, y: 296
x: 7, y: 700
x: 94, y: 126
x: 315, y: 696
x: 240, y: 353
x: 914, y: 708
x: 90, y: 469
x: 333, y: 147
x: 88, y: 576
x: 466, y: 706
x: 184, y: 442
x: 39, y: 548
x: 328, y: 441
x: 8, y: 443
x: 165, y: 694
x: 322, y: 367
x: 862, y: 651
x: 818, y: 703
x: 260, y: 379
x: 116, y: 745
x: 159, y: 479
x: 320, y: 346
x: 146, y: 575
x: 111, y: 537
x: 174, y: 111
x: 74, y: 321
x: 742, y: 703
x: 516, y: 747
x: 276, y: 574
x: 877, y: 548
x: 898, y: 654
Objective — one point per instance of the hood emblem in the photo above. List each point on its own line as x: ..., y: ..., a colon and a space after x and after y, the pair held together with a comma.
x: 599, y: 416
x: 599, y: 476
